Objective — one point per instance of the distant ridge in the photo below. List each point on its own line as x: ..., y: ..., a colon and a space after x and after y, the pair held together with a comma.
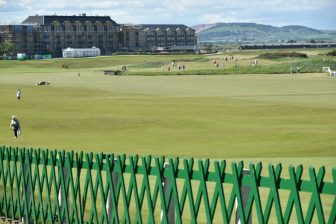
x: 202, y: 27
x: 253, y: 32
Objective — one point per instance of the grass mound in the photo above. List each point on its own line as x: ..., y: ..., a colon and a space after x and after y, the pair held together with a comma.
x: 277, y: 55
x: 147, y: 64
x: 332, y: 53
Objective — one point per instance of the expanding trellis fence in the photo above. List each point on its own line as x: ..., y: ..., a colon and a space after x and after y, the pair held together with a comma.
x: 45, y: 186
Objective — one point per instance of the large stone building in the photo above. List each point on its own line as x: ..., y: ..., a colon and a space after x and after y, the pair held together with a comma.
x: 27, y: 38
x: 50, y: 34
x: 154, y: 37
x: 81, y: 31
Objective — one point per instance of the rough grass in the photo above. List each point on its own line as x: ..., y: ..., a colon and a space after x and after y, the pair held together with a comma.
x: 277, y: 55
x: 147, y: 64
x: 332, y: 53
x: 195, y: 64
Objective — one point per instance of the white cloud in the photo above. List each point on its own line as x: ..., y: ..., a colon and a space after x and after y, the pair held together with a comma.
x: 217, y: 18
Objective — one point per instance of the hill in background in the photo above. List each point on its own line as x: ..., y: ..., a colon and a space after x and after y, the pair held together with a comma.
x: 252, y: 32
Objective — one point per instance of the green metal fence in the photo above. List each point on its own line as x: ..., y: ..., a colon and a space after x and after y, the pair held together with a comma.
x: 43, y: 186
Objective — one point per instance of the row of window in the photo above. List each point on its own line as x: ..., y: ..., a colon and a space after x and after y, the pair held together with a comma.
x: 72, y: 28
x: 81, y: 37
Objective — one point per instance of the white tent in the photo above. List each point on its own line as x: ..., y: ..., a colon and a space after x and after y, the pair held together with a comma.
x: 80, y: 52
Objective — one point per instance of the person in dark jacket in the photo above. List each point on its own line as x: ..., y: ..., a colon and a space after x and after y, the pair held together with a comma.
x: 15, y: 125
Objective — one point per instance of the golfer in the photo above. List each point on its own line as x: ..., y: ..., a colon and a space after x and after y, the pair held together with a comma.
x: 18, y: 94
x: 15, y: 125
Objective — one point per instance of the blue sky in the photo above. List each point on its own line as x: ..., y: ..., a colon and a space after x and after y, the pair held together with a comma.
x: 320, y: 14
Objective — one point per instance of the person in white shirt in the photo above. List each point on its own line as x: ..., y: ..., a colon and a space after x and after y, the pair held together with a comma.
x: 18, y: 94
x: 15, y: 125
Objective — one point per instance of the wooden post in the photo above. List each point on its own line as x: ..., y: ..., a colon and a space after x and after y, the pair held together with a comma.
x: 245, y: 191
x: 28, y: 189
x: 61, y: 195
x: 171, y: 207
x: 109, y: 205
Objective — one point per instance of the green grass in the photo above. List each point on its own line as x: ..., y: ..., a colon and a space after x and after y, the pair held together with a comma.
x: 199, y: 116
x: 177, y: 113
x: 270, y: 118
x: 148, y: 65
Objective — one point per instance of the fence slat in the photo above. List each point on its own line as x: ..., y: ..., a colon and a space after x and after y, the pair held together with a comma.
x: 219, y: 192
x: 315, y: 202
x: 294, y: 197
x: 273, y: 197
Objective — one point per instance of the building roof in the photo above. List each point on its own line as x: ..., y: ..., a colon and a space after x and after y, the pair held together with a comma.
x: 47, y: 20
x: 155, y: 27
x: 165, y: 26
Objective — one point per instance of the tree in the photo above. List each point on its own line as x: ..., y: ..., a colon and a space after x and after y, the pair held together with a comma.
x: 7, y: 48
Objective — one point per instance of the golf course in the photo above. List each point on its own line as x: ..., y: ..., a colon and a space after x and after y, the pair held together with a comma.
x: 148, y: 110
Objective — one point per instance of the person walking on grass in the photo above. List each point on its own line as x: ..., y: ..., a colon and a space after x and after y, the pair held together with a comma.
x: 15, y: 125
x: 18, y: 94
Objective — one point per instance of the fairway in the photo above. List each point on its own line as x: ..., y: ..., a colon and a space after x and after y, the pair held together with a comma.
x: 222, y: 116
